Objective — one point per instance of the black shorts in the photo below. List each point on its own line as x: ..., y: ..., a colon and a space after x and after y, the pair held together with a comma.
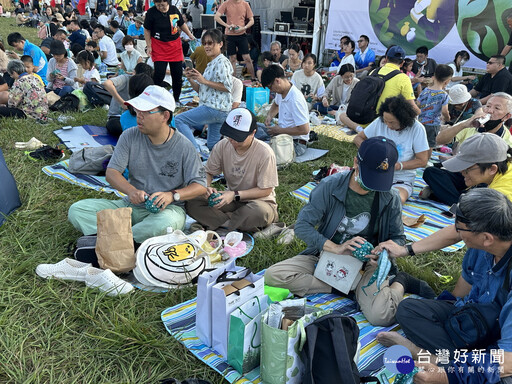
x: 239, y: 41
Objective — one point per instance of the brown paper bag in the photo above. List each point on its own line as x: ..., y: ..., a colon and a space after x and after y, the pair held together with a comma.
x: 413, y: 222
x: 114, y: 246
x: 52, y: 97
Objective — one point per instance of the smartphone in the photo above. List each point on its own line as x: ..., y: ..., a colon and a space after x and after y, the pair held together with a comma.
x: 447, y: 214
x: 189, y: 64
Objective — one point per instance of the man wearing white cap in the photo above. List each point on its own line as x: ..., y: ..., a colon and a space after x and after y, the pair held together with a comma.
x: 163, y: 167
x: 249, y: 167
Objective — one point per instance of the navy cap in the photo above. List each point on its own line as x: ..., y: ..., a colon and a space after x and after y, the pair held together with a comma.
x: 376, y: 158
x: 397, y: 52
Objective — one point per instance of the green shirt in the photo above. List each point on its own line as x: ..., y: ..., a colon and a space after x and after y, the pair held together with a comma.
x: 357, y: 217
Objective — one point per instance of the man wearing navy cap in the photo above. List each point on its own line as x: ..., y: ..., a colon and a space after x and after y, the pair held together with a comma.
x: 344, y: 211
x: 249, y: 167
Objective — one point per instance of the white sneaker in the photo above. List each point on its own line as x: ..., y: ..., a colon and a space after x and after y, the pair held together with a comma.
x: 271, y: 231
x: 67, y: 269
x: 106, y: 281
x: 286, y: 237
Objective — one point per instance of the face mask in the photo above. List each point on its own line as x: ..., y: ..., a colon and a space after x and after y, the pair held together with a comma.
x: 423, y: 62
x: 128, y: 48
x: 361, y: 184
x: 490, y: 125
x: 462, y: 62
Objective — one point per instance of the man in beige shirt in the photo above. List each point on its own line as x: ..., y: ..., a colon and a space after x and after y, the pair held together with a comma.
x: 249, y: 167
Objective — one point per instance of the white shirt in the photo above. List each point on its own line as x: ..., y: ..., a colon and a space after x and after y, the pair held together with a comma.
x: 106, y: 44
x: 103, y: 20
x: 346, y: 60
x: 455, y: 74
x: 237, y: 89
x: 409, y: 141
x: 293, y: 111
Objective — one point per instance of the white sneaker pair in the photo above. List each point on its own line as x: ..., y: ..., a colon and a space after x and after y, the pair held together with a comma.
x: 70, y: 269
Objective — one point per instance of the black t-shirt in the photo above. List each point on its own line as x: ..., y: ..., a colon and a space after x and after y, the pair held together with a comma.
x: 501, y: 82
x: 164, y: 26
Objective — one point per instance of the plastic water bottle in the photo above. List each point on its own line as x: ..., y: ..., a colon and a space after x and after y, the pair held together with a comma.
x: 265, y: 25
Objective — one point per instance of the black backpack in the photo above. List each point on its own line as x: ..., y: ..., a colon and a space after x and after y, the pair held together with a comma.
x: 362, y: 106
x: 67, y: 103
x: 328, y: 354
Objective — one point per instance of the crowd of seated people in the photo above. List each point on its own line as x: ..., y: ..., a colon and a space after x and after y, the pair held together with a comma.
x: 424, y: 105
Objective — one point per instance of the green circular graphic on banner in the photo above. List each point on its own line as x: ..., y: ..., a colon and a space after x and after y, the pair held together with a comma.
x: 412, y: 23
x: 482, y: 26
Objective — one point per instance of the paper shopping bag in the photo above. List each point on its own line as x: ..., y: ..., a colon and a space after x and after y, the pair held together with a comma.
x: 280, y: 348
x: 114, y: 246
x: 245, y: 334
x: 205, y: 283
x: 226, y: 297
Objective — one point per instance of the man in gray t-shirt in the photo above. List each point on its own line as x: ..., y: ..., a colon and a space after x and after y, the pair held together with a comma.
x: 163, y: 166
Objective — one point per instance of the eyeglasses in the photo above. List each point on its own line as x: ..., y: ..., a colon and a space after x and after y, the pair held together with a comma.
x: 466, y: 171
x: 459, y: 229
x: 146, y: 113
x: 492, y: 62
x: 209, y: 42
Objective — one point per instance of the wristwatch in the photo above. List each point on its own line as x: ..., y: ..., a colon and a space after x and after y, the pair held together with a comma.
x: 175, y: 195
x: 237, y: 196
x: 409, y: 249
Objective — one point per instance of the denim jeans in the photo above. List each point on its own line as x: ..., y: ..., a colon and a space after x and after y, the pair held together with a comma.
x: 188, y: 121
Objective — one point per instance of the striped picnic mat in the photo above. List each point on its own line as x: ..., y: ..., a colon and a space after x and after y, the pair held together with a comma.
x: 333, y: 131
x: 180, y: 323
x: 98, y: 183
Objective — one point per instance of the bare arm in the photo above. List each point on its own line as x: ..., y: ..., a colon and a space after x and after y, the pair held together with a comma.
x: 462, y: 288
x: 117, y: 181
x: 220, y: 21
x: 110, y: 87
x: 506, y: 50
x: 438, y: 240
x: 484, y: 100
x: 420, y: 160
x: 274, y: 109
x: 249, y: 24
x: 360, y: 137
x: 185, y: 29
x: 414, y: 106
x: 448, y: 133
x: 445, y: 113
x: 147, y: 37
x: 474, y: 92
x: 299, y: 130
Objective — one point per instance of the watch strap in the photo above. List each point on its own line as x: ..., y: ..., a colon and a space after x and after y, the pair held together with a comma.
x: 237, y: 196
x: 409, y: 249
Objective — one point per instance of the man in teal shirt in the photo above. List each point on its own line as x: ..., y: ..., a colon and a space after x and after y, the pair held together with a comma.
x: 18, y: 42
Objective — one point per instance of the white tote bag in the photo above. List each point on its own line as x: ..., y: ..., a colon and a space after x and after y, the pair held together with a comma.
x: 223, y: 303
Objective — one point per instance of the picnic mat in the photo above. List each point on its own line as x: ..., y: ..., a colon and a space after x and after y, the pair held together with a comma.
x: 333, y: 131
x: 98, y: 183
x: 180, y: 322
x: 414, y: 207
x: 83, y: 136
x: 311, y: 154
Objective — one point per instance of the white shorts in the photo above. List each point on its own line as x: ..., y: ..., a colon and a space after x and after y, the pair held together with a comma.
x: 405, y: 186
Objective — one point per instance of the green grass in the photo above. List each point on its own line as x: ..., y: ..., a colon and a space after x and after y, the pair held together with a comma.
x: 61, y: 332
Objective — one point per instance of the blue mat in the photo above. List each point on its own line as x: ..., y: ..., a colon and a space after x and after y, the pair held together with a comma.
x: 83, y: 136
x: 180, y: 322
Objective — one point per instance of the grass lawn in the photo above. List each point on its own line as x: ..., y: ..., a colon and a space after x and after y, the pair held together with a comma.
x: 61, y: 332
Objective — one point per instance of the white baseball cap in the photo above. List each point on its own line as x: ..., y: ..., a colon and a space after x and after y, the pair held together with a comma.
x: 153, y: 97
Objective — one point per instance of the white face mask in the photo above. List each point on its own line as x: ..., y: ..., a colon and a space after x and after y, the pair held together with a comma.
x: 462, y: 62
x: 129, y: 48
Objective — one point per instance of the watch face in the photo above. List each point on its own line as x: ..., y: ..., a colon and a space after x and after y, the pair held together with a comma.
x: 176, y: 196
